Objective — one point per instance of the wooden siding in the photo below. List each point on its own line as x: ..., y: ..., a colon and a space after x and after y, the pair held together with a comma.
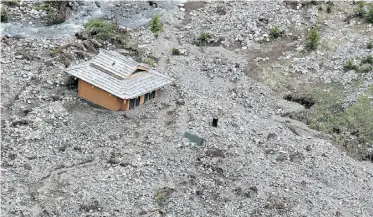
x: 125, y: 104
x: 99, y: 96
x: 142, y: 99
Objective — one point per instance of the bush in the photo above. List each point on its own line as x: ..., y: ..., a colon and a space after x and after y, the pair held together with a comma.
x: 369, y: 16
x: 175, y: 51
x: 12, y: 2
x: 329, y: 9
x: 313, y: 39
x: 275, y: 32
x: 204, y: 37
x: 367, y: 60
x: 360, y: 11
x: 365, y: 68
x: 149, y: 61
x: 350, y: 65
x: 4, y: 15
x: 103, y: 29
x: 155, y: 25
x: 370, y: 44
x: 55, y: 10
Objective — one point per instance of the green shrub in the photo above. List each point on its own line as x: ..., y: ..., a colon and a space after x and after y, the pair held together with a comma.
x: 149, y: 61
x: 360, y: 11
x: 275, y: 32
x: 365, y: 68
x: 329, y: 115
x: 369, y: 16
x: 313, y: 39
x: 53, y: 14
x: 370, y: 44
x: 155, y: 24
x: 4, y: 15
x: 204, y: 37
x: 329, y: 9
x: 11, y: 2
x: 103, y: 29
x: 367, y: 60
x: 175, y: 51
x: 350, y: 65
x: 162, y: 196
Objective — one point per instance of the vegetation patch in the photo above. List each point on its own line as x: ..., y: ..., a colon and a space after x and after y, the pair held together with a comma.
x: 4, y: 15
x: 204, y: 38
x: 365, y: 68
x: 367, y: 60
x: 102, y: 29
x: 370, y: 44
x: 175, y: 51
x: 350, y: 127
x: 149, y: 61
x: 350, y: 65
x: 56, y: 11
x: 156, y: 25
x: 360, y: 10
x: 11, y: 2
x: 275, y: 32
x: 329, y: 9
x: 313, y: 39
x: 162, y: 195
x: 369, y: 16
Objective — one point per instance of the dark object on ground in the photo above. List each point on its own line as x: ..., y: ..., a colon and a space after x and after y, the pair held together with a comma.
x: 194, y: 138
x: 215, y: 122
x: 307, y: 102
x: 153, y: 4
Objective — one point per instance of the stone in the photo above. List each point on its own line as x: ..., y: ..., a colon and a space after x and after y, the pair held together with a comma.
x: 114, y: 160
x: 27, y: 166
x: 180, y: 102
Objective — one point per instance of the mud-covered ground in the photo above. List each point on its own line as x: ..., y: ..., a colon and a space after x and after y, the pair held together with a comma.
x: 63, y: 156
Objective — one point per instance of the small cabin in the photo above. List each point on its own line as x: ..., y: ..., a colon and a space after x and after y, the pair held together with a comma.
x: 116, y: 82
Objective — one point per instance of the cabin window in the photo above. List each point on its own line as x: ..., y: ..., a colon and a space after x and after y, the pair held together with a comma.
x: 146, y: 97
x: 152, y: 95
x: 132, y: 103
x: 137, y: 101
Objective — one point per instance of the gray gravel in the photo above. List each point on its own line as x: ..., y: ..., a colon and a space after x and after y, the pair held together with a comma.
x: 62, y: 156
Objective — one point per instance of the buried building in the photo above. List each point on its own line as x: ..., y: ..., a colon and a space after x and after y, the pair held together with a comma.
x: 117, y: 83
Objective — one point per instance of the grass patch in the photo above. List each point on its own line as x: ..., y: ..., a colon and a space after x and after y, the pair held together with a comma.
x: 351, y: 127
x: 365, y: 68
x: 4, y: 15
x: 11, y: 2
x: 156, y: 25
x: 54, y: 13
x: 149, y: 61
x: 370, y: 44
x: 313, y: 39
x: 162, y: 195
x: 367, y: 60
x: 329, y: 9
x: 369, y: 15
x: 175, y: 51
x: 103, y: 29
x: 275, y: 32
x: 350, y: 65
x: 360, y: 10
x: 204, y: 37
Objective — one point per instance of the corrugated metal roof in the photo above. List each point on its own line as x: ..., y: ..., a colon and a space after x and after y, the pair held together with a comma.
x: 117, y: 78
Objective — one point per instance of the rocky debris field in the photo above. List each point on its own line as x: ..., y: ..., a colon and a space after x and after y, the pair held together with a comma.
x: 63, y: 156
